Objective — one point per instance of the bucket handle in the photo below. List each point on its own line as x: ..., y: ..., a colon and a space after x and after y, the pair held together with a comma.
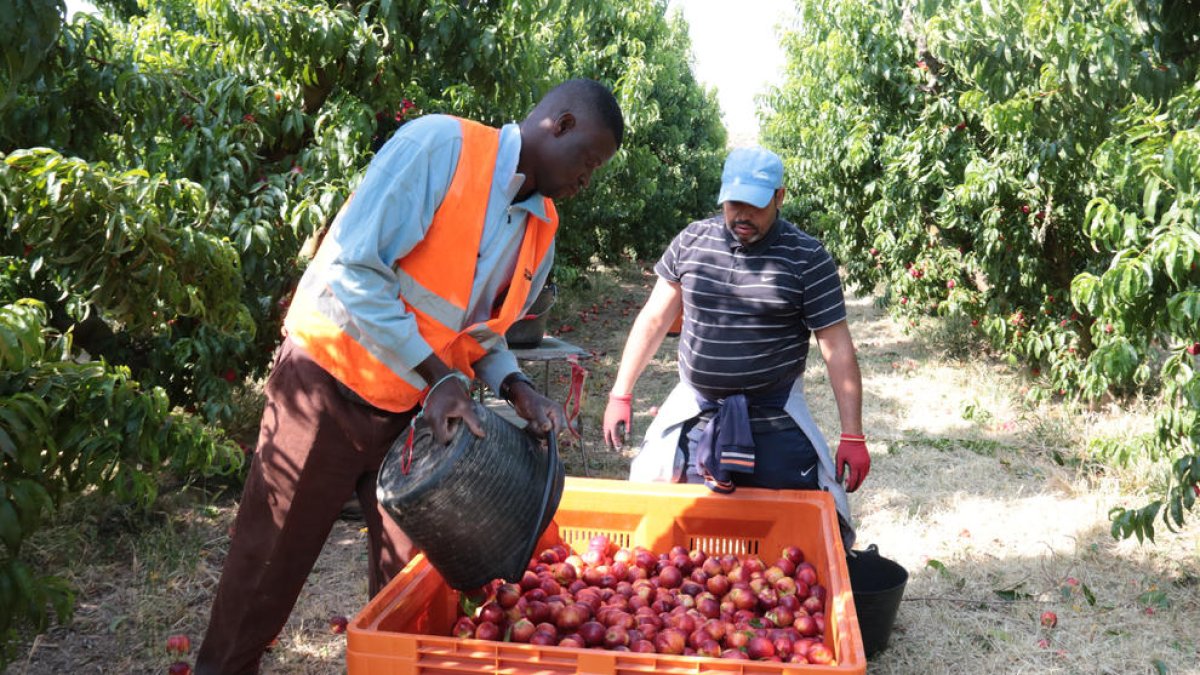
x: 871, y: 550
x: 552, y: 461
x: 552, y: 290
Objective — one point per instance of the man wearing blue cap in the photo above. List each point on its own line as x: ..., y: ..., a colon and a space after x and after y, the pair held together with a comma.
x: 751, y: 288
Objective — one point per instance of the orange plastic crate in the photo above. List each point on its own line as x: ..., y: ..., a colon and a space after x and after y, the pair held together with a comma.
x: 406, y: 627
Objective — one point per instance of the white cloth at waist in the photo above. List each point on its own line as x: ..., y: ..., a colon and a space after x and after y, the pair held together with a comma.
x: 661, y: 460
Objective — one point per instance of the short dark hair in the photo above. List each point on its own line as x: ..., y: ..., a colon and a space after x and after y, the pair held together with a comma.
x: 583, y: 94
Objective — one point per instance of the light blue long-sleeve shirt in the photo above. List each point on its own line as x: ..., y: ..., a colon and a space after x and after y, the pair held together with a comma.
x: 390, y: 213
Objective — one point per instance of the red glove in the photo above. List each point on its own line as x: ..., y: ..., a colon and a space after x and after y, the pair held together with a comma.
x: 618, y: 420
x: 852, y: 451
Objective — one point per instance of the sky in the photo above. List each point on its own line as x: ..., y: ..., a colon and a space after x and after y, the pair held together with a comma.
x: 736, y: 50
x: 79, y: 6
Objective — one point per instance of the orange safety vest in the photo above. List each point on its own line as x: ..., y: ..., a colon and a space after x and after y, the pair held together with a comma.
x: 436, y: 278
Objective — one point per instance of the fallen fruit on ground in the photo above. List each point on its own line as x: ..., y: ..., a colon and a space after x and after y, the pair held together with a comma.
x: 179, y: 644
x: 337, y: 624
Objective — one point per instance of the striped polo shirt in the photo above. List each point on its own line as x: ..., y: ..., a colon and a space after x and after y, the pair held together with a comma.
x: 749, y: 310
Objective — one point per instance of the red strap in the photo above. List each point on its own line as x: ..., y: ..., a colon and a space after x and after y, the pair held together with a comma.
x: 574, y: 400
x: 406, y: 460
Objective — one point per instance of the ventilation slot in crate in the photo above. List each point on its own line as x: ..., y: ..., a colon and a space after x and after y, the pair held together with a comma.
x: 723, y: 545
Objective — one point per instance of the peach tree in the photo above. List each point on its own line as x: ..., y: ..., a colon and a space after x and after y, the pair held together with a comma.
x: 669, y: 172
x: 167, y: 167
x: 248, y: 123
x: 67, y: 426
x: 1031, y: 170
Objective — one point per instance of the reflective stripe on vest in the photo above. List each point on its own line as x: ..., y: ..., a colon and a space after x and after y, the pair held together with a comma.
x: 435, y: 279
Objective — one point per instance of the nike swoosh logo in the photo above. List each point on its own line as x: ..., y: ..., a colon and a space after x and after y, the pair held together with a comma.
x: 805, y: 473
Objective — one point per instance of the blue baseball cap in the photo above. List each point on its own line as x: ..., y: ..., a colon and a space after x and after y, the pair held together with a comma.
x: 751, y: 175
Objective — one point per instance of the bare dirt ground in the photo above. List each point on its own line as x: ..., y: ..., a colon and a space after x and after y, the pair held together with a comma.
x: 964, y: 492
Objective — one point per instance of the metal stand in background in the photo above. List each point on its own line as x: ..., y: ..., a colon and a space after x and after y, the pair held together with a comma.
x: 550, y: 350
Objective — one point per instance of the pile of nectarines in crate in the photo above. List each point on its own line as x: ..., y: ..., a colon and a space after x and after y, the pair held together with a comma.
x: 681, y: 602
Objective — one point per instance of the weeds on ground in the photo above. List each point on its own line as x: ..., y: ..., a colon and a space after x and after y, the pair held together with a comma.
x: 952, y: 337
x: 137, y: 574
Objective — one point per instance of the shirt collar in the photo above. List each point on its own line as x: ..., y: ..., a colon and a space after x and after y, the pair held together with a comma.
x: 510, y: 141
x: 756, y: 247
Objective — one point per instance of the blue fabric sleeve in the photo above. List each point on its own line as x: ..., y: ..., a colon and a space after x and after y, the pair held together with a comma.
x: 389, y: 214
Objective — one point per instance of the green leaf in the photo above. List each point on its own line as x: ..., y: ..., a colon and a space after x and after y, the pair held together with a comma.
x: 8, y: 597
x: 469, y: 605
x: 1013, y: 593
x: 30, y: 499
x: 1150, y: 199
x: 62, y: 598
x: 6, y: 444
x: 10, y: 528
x: 1154, y: 598
x: 30, y: 592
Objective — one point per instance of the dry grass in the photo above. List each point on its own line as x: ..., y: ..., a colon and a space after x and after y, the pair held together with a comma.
x: 965, y: 493
x: 142, y: 578
x: 979, y: 495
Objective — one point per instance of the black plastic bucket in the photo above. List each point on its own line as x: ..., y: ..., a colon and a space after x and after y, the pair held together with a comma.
x: 878, y: 585
x: 477, y: 506
x: 528, y: 331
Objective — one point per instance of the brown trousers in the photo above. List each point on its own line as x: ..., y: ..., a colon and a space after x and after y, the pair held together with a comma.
x: 315, y: 448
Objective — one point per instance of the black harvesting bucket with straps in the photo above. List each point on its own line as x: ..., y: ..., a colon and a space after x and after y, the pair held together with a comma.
x: 878, y: 585
x: 477, y: 506
x: 528, y: 331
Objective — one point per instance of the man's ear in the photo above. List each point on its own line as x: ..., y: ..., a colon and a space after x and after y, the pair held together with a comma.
x: 780, y: 193
x: 565, y: 122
